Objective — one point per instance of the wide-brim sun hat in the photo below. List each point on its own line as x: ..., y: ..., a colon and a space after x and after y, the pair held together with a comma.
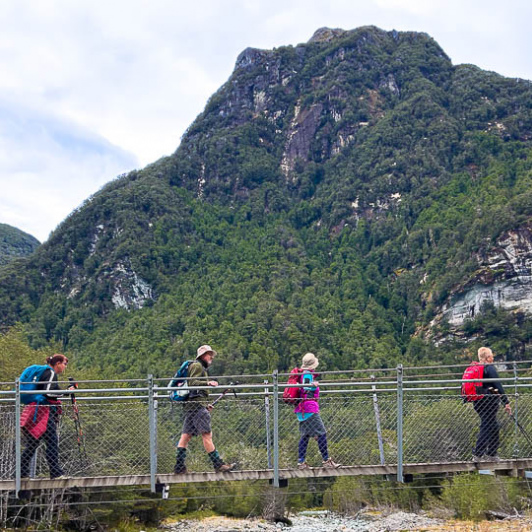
x: 204, y: 349
x: 310, y: 361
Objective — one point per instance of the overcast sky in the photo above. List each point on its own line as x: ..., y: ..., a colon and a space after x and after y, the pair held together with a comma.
x: 90, y: 89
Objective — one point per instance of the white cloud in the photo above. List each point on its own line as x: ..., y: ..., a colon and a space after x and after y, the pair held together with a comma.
x: 49, y: 166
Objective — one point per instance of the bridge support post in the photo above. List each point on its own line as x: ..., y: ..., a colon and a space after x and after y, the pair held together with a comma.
x: 400, y: 477
x: 17, y: 437
x: 152, y: 414
x: 378, y: 422
x: 268, y: 425
x: 275, y: 429
x: 516, y: 413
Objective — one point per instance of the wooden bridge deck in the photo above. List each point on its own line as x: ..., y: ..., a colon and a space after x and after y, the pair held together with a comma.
x: 507, y: 467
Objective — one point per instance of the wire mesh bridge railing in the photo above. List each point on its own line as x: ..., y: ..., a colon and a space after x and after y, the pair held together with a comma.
x: 387, y: 420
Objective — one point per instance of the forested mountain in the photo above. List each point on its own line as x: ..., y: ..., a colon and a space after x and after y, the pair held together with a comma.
x: 15, y: 243
x: 358, y: 196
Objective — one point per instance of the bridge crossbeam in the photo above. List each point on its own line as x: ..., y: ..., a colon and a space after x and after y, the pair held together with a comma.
x: 508, y: 467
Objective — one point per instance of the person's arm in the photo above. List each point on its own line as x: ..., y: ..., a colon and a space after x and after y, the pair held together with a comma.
x: 491, y: 373
x: 49, y: 385
x: 196, y: 375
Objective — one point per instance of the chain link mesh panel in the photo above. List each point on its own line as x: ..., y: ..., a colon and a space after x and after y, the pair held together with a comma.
x: 103, y: 438
x: 439, y: 428
x: 239, y: 434
x: 113, y: 437
x: 7, y: 441
x: 352, y: 423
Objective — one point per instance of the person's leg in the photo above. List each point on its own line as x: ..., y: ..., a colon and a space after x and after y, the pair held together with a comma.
x: 184, y: 440
x: 493, y: 429
x: 207, y: 442
x: 322, y: 446
x: 181, y: 455
x: 186, y: 435
x: 31, y: 445
x: 482, y: 409
x: 214, y: 456
x: 52, y: 448
x: 302, y: 448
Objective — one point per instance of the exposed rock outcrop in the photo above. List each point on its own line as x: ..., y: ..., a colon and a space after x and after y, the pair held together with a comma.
x: 130, y: 291
x: 504, y: 278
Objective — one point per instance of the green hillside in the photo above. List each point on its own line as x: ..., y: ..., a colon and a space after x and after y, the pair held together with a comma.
x: 15, y: 243
x: 331, y: 197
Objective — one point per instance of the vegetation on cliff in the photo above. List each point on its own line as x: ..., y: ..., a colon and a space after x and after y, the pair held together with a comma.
x: 15, y: 243
x: 330, y: 198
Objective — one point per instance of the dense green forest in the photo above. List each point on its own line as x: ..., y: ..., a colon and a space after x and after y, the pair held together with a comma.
x: 331, y: 197
x: 15, y: 243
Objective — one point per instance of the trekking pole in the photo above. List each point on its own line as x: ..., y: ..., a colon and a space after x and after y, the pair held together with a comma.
x: 77, y: 421
x: 524, y: 432
x: 225, y: 392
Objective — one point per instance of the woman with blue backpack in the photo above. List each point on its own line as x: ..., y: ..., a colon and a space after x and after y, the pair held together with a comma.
x: 40, y: 417
x: 308, y: 415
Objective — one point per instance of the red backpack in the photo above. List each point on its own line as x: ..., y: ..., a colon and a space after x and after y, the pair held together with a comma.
x: 292, y: 395
x: 470, y: 390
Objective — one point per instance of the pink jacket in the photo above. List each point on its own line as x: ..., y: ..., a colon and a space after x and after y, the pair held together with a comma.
x: 309, y: 399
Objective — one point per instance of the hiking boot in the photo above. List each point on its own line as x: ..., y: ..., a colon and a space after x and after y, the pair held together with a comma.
x: 180, y: 470
x: 329, y: 464
x: 224, y: 468
x: 303, y: 465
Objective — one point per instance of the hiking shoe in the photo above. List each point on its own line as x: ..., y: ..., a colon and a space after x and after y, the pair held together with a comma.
x: 180, y: 470
x: 224, y: 468
x: 477, y: 458
x: 490, y: 458
x: 329, y: 464
x: 303, y: 465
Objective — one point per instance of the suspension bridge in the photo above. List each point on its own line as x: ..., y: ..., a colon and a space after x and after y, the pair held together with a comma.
x: 397, y: 422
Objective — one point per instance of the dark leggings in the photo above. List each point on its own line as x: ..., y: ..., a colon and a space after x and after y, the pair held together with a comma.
x: 488, y: 437
x: 52, y: 450
x: 322, y: 446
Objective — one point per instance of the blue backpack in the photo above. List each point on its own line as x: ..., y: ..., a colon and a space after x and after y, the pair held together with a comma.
x: 180, y: 381
x: 28, y: 382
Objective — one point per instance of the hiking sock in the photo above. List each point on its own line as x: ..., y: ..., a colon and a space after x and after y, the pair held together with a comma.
x: 302, y: 448
x: 322, y: 446
x: 180, y: 458
x: 215, y: 459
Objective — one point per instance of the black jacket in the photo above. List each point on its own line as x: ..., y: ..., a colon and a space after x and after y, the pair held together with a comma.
x: 494, y: 387
x: 49, y: 385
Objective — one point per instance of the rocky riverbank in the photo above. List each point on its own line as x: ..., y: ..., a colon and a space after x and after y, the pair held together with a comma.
x: 366, y: 522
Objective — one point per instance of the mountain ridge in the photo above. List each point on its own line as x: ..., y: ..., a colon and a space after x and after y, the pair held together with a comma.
x: 330, y: 197
x: 15, y: 243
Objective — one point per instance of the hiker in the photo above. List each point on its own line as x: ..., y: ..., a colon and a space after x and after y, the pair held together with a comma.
x: 197, y: 416
x: 39, y: 419
x: 487, y: 407
x: 307, y: 411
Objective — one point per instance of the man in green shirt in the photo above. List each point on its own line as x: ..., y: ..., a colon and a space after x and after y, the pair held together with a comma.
x: 198, y: 413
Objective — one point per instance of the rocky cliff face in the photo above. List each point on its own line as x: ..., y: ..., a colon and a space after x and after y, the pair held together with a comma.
x: 304, y: 103
x: 325, y: 190
x: 504, y: 279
